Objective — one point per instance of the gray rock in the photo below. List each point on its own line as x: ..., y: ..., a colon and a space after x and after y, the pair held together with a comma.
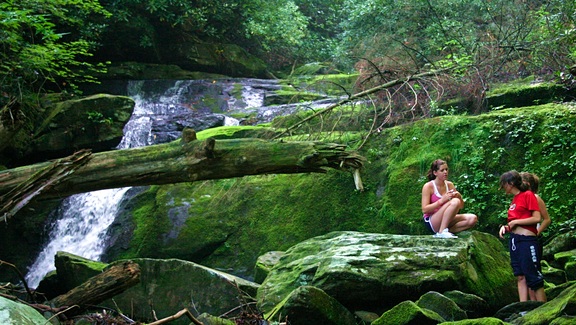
x: 168, y: 286
x: 442, y: 305
x: 309, y: 305
x: 264, y: 264
x: 377, y: 271
x: 408, y: 312
x: 474, y: 306
x: 13, y: 313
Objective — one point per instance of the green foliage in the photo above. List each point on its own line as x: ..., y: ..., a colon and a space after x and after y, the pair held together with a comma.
x: 554, y: 35
x: 99, y: 118
x: 44, y: 44
x: 503, y: 39
x: 276, y: 23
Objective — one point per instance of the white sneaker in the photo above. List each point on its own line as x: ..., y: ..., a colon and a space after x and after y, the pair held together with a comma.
x: 445, y: 234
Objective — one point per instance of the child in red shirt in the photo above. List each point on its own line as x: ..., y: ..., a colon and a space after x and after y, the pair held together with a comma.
x: 523, y: 218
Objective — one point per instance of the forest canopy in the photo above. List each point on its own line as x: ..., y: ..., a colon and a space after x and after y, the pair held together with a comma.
x: 53, y: 45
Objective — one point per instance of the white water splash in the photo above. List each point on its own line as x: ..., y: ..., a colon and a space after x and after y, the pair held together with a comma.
x: 81, y: 227
x: 80, y: 230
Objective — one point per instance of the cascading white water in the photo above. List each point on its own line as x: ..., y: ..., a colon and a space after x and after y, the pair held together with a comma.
x: 84, y: 218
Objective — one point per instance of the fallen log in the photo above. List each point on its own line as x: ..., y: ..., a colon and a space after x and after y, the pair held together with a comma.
x: 103, y: 286
x: 185, y: 160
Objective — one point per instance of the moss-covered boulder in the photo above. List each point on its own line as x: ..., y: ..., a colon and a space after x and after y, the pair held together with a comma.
x: 310, y: 305
x: 130, y: 70
x: 222, y: 58
x: 168, y: 286
x: 74, y: 270
x: 376, y: 271
x: 408, y: 313
x: 564, y: 305
x: 442, y: 305
x: 71, y: 271
x: 95, y: 122
x: 553, y: 275
x: 526, y: 93
x: 562, y: 243
x: 570, y: 269
x: 61, y: 126
x: 554, y: 291
x: 516, y: 309
x: 474, y: 306
x: 264, y: 265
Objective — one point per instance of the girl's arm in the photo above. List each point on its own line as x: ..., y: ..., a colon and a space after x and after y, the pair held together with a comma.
x: 534, y: 219
x: 545, y: 222
x: 456, y: 194
x: 428, y: 207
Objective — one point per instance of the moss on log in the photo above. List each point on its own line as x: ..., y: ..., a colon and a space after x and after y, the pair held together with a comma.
x: 179, y: 161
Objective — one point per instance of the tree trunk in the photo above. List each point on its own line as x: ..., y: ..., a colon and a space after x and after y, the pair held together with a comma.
x: 103, y: 286
x: 187, y: 160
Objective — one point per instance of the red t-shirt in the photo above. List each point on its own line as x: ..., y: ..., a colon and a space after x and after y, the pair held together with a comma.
x: 521, y: 208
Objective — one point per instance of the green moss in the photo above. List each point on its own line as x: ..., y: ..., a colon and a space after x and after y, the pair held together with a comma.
x: 525, y: 93
x: 478, y: 321
x: 545, y: 314
x: 408, y: 312
x: 478, y: 149
x: 151, y: 222
x: 227, y: 132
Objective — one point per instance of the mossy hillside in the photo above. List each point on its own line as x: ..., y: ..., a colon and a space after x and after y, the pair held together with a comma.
x: 479, y: 149
x: 149, y: 224
x: 230, y: 223
x: 277, y: 211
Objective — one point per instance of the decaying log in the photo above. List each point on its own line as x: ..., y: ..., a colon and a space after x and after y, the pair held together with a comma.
x: 187, y: 160
x: 43, y: 179
x: 105, y: 285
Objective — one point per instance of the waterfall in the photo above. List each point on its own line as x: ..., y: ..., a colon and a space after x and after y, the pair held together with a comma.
x: 82, y: 220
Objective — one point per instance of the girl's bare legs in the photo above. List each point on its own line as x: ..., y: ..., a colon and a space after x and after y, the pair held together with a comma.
x: 462, y: 222
x: 445, y: 215
x: 540, y: 294
x: 522, y: 288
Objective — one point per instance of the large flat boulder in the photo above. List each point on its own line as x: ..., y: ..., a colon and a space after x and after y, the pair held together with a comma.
x: 378, y: 271
x: 167, y: 286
